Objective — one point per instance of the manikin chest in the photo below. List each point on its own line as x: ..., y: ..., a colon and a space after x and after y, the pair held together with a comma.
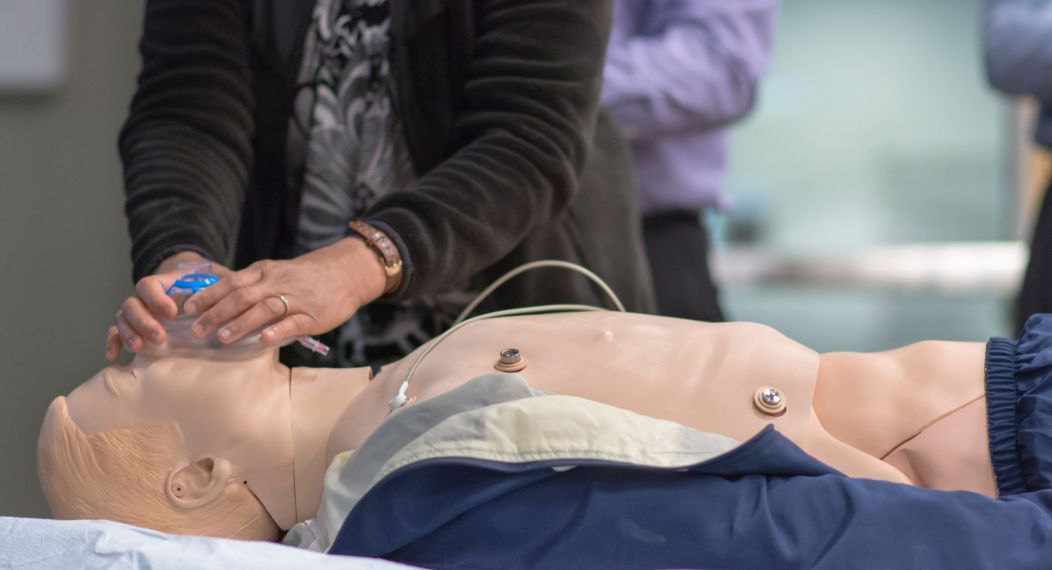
x: 707, y: 376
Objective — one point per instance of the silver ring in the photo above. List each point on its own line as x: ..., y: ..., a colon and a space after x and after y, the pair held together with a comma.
x: 285, y: 302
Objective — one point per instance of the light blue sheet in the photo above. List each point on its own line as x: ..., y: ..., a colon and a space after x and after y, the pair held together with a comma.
x: 32, y: 544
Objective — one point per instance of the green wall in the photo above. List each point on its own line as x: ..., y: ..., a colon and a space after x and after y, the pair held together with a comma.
x: 875, y: 127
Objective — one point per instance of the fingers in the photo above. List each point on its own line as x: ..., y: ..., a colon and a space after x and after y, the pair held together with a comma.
x: 204, y: 300
x: 113, y: 344
x: 231, y: 307
x: 221, y: 271
x: 129, y: 338
x: 245, y: 301
x: 153, y: 295
x: 291, y: 326
x: 140, y: 321
x: 266, y: 311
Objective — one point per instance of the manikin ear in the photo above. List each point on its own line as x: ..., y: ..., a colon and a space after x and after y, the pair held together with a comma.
x: 198, y: 483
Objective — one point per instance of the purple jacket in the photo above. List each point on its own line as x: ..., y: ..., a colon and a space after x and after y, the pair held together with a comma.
x: 1018, y: 46
x: 677, y: 73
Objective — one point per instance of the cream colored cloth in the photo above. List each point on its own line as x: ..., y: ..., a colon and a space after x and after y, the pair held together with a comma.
x: 498, y: 417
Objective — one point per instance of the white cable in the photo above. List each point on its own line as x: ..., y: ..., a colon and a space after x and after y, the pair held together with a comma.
x: 400, y: 399
x: 537, y: 265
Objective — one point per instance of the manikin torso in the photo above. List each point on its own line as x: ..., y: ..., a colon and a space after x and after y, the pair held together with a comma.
x: 912, y: 415
x: 859, y: 413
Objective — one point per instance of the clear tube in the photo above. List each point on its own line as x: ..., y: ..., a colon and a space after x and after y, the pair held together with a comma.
x: 313, y: 344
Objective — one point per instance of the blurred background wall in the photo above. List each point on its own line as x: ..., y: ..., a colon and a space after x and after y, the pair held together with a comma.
x: 63, y: 243
x: 875, y: 128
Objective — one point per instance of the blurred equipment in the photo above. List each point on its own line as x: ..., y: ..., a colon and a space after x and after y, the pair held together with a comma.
x: 953, y: 268
x: 33, y: 45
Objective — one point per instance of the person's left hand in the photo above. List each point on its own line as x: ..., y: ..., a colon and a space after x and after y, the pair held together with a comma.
x: 323, y: 289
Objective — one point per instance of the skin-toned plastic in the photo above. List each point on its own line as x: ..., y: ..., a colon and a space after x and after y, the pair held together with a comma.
x: 943, y: 455
x: 253, y: 424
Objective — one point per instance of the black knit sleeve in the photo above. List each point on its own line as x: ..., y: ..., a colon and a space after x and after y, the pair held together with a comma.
x: 186, y: 145
x: 531, y: 99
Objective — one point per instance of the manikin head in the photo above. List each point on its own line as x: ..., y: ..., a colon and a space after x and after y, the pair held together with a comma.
x: 184, y: 445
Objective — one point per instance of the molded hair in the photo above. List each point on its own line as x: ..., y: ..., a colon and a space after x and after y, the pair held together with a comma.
x: 121, y: 475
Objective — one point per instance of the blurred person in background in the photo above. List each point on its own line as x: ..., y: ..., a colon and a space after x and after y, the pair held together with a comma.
x: 460, y: 139
x: 678, y: 73
x: 1018, y: 46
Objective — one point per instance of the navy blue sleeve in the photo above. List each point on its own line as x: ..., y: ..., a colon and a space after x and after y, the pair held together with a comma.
x: 619, y: 518
x: 1018, y: 48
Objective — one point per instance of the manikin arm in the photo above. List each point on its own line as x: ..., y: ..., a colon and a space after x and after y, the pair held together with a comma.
x: 919, y: 408
x: 875, y: 401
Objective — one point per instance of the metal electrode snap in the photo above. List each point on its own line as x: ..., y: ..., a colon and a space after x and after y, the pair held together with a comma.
x: 770, y: 401
x: 511, y: 360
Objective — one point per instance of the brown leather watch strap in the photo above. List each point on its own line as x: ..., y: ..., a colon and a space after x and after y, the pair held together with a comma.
x: 385, y: 249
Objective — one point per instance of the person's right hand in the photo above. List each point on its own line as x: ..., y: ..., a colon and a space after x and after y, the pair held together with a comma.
x: 138, y: 320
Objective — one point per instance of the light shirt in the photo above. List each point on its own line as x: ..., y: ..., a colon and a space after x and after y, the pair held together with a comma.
x: 677, y: 73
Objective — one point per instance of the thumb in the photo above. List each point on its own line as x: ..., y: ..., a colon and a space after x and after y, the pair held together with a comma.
x: 291, y: 326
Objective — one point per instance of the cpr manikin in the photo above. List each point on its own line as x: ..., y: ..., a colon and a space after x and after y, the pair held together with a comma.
x: 206, y: 444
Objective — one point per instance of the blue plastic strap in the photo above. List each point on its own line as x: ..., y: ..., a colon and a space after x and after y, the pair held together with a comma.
x: 194, y: 282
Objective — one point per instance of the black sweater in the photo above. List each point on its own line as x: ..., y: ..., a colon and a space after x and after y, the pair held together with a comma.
x: 498, y: 101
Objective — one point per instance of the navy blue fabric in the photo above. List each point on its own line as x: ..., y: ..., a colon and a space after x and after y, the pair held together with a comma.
x: 1043, y: 133
x: 1019, y: 407
x: 766, y: 504
x: 1000, y: 416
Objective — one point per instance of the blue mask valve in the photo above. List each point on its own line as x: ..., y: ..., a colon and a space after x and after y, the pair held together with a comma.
x: 193, y: 282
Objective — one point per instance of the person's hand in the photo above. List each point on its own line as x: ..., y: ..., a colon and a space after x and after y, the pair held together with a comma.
x: 138, y: 320
x: 322, y: 289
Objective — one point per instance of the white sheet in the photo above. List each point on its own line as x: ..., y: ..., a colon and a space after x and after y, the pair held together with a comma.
x: 31, y: 544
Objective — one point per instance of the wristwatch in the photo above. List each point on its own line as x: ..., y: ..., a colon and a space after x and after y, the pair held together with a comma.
x: 385, y: 249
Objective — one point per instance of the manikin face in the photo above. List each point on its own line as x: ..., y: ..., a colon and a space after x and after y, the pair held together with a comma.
x: 234, y: 417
